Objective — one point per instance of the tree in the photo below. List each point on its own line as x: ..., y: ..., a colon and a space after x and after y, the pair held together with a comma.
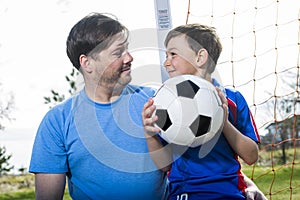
x: 58, y: 97
x: 4, y: 165
x: 285, y: 109
x: 6, y: 105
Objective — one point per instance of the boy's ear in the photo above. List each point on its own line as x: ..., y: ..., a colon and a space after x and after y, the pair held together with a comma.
x: 202, y: 57
x: 85, y: 63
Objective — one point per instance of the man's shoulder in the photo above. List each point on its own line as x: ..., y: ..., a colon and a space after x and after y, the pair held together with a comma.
x: 144, y: 90
x: 63, y: 108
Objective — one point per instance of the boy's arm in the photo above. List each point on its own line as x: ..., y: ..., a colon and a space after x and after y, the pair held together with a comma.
x: 160, y: 154
x: 244, y: 146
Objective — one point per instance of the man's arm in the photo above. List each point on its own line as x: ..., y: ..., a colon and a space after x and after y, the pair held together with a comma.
x: 49, y: 186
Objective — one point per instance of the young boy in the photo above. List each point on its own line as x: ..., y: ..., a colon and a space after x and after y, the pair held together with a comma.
x: 194, y: 49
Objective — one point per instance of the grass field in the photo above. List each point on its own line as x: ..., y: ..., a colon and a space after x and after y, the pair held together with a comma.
x: 19, y: 187
x: 280, y: 182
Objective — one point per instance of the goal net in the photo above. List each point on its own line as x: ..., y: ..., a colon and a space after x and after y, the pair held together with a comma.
x: 260, y: 58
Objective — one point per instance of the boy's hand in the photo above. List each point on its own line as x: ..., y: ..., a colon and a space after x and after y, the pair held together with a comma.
x: 148, y: 119
x: 224, y: 104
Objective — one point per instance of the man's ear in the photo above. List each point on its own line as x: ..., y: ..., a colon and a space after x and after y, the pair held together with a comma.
x: 85, y: 63
x: 202, y: 57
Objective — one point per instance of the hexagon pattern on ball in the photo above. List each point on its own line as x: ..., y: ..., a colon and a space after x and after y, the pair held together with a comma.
x: 189, y: 111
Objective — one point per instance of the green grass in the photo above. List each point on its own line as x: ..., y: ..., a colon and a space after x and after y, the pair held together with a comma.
x: 276, y: 184
x: 19, y: 195
x: 20, y: 187
x: 24, y: 195
x: 279, y: 182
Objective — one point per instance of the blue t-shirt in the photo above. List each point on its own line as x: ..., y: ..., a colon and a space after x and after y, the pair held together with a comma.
x: 101, y: 148
x: 213, y: 171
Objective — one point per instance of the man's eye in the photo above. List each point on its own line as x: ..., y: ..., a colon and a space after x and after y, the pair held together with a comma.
x: 173, y: 54
x: 118, y: 53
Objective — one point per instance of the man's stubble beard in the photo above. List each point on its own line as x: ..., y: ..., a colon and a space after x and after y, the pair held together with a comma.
x: 116, y: 83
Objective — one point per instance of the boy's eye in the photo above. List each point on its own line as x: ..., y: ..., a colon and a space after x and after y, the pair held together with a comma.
x: 170, y: 54
x: 173, y: 54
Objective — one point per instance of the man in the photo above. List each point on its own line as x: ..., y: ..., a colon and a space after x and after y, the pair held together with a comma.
x: 96, y: 138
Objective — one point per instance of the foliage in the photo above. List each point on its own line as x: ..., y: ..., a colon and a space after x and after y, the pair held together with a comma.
x: 6, y: 106
x: 58, y: 97
x: 4, y: 165
x: 282, y: 135
x: 20, y: 187
x: 284, y: 130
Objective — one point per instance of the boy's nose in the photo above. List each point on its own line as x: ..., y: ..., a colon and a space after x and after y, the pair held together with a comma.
x: 166, y: 62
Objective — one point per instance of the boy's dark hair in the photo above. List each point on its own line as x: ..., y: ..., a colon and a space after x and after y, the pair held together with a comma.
x: 200, y: 36
x: 90, y: 35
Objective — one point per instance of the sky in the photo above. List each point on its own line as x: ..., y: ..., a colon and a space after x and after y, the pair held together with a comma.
x: 33, y: 59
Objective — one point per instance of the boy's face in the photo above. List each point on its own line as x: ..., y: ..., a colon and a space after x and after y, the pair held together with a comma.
x: 180, y: 58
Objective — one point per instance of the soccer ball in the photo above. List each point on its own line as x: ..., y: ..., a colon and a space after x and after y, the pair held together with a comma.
x: 189, y: 111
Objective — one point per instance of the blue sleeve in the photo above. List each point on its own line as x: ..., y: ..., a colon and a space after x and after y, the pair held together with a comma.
x: 49, y: 153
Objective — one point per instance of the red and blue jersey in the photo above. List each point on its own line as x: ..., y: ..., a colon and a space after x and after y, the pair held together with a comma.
x: 212, y: 170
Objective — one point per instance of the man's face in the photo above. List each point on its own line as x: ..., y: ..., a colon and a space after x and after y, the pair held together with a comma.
x: 112, y: 66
